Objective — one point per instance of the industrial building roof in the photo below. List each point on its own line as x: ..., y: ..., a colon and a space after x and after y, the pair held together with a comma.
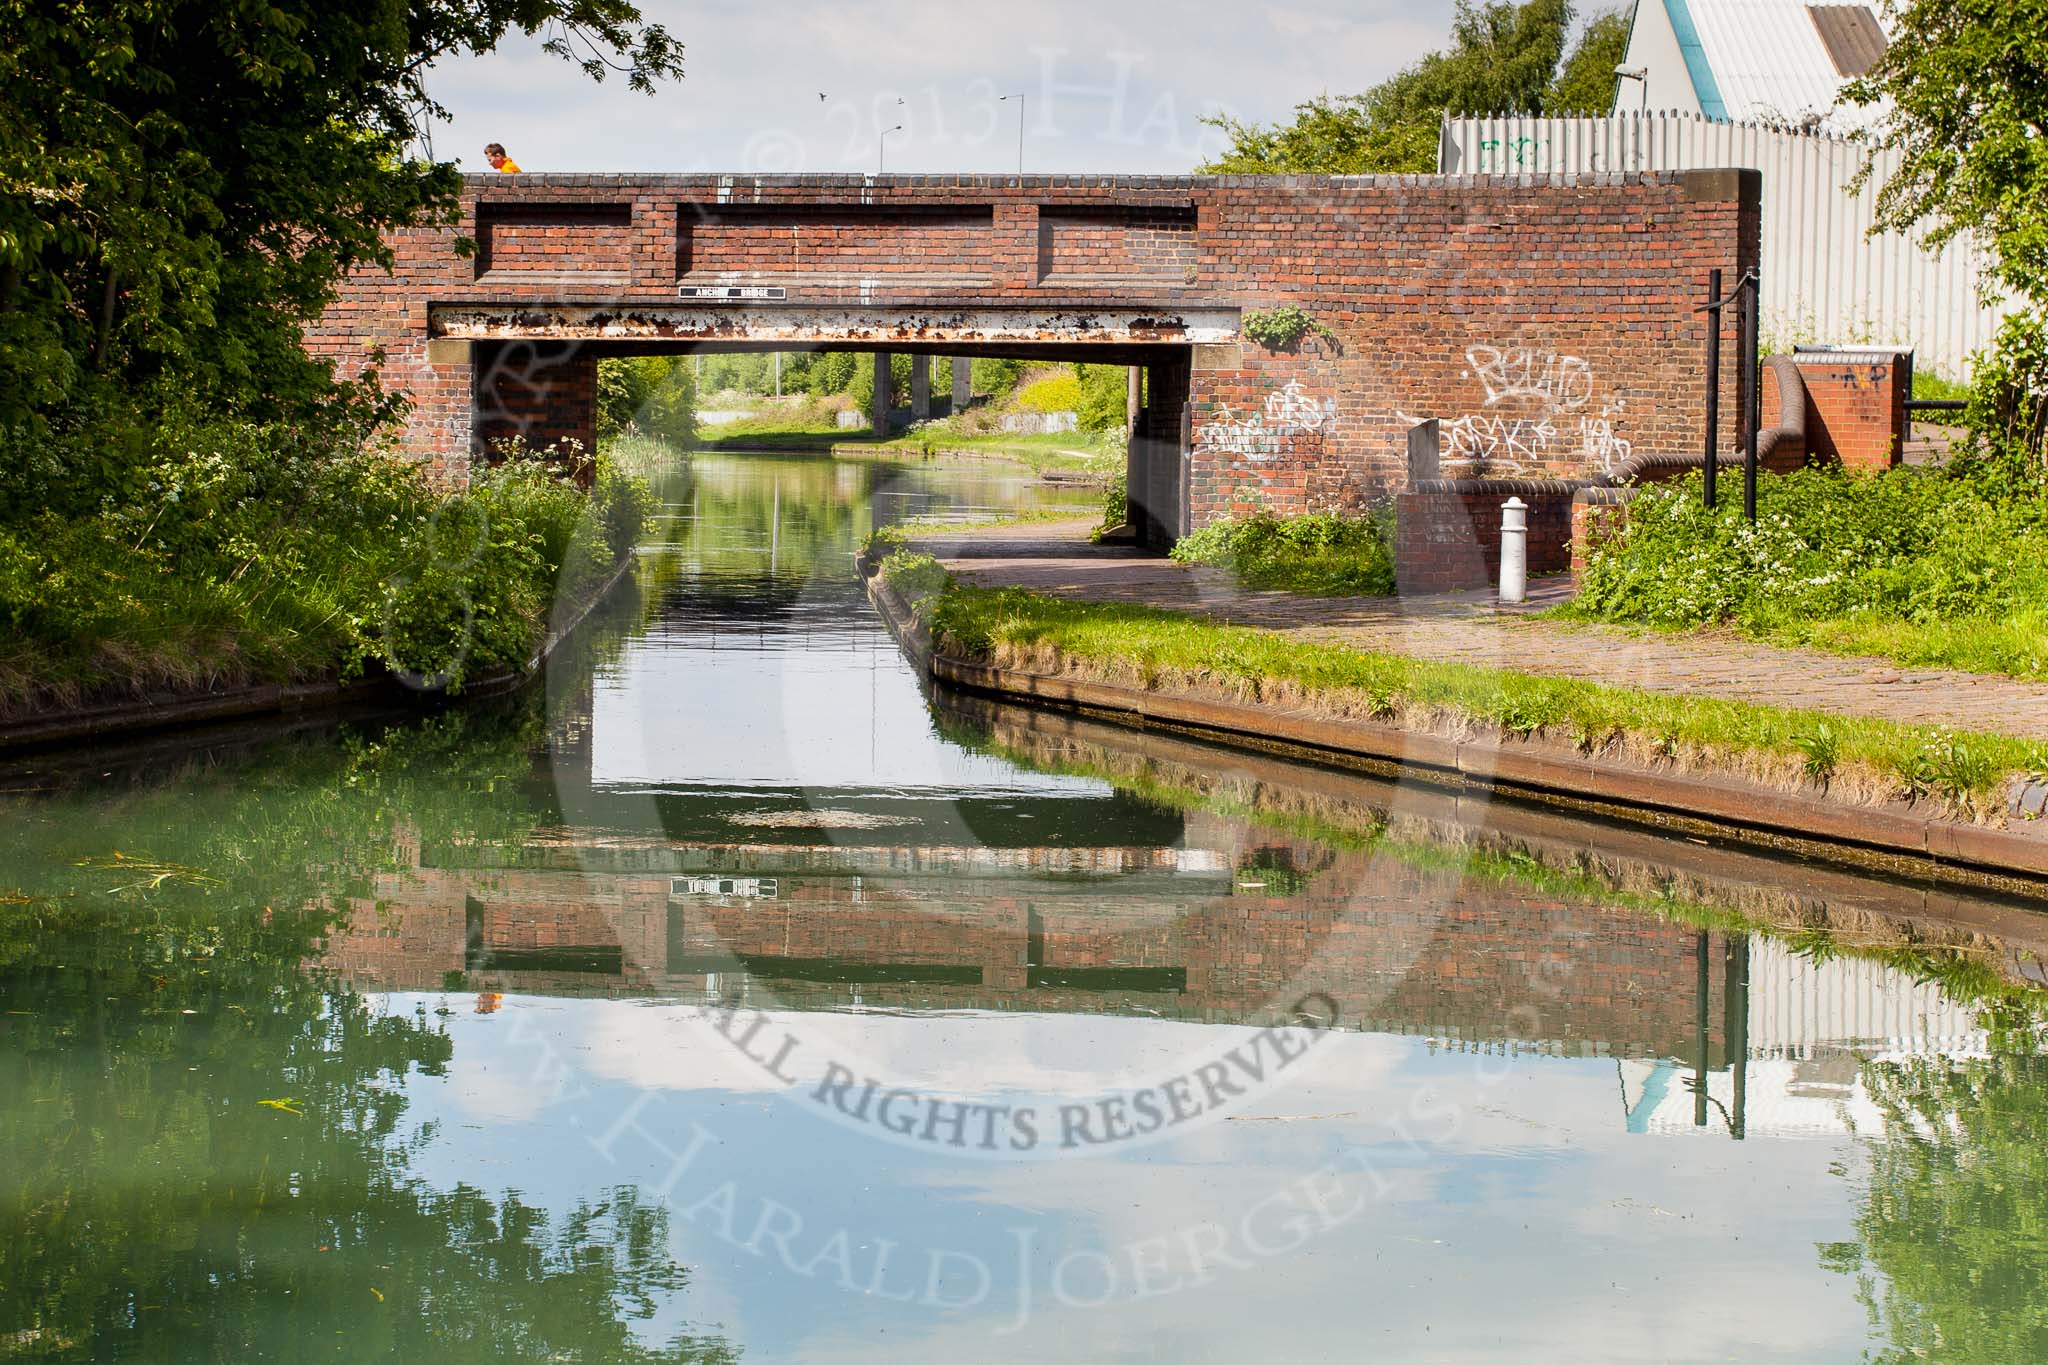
x: 1770, y: 61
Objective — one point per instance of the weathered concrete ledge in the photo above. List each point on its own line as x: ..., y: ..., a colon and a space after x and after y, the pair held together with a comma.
x: 172, y: 710
x: 1911, y: 842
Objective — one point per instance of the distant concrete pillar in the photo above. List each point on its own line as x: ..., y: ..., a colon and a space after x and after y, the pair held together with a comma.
x: 963, y: 383
x: 920, y: 388
x: 885, y: 396
x: 1134, y: 397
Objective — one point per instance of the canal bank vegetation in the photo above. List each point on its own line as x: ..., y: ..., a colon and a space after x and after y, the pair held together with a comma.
x: 237, y: 554
x: 1943, y: 566
x: 192, y: 501
x: 1859, y: 760
x: 1323, y: 554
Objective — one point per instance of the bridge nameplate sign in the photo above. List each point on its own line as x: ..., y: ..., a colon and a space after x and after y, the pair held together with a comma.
x: 730, y: 293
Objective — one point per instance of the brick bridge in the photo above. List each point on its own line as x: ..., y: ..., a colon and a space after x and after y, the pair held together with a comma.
x: 1546, y: 321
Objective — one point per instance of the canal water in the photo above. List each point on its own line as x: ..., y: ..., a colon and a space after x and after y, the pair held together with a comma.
x: 735, y: 999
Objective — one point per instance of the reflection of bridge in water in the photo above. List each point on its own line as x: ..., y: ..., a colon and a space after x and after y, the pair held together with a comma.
x: 1187, y: 931
x: 1098, y: 902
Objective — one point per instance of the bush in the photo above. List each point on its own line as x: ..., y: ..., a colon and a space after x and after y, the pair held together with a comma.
x: 1325, y: 553
x: 2008, y: 412
x: 1105, y: 396
x: 1059, y: 391
x: 1918, y: 544
x: 249, y: 553
x: 1923, y: 565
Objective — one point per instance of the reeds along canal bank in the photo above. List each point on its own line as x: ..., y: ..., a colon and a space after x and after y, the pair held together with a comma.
x: 1916, y: 799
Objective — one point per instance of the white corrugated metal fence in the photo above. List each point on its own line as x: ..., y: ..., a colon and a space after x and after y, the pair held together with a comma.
x: 1823, y: 278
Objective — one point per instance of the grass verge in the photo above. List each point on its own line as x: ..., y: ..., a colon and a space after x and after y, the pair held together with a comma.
x: 1861, y: 759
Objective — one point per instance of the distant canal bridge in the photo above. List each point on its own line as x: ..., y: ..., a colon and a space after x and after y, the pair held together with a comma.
x: 1289, y: 329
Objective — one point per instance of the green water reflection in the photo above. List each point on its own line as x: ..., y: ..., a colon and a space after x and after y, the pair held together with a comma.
x: 270, y: 1011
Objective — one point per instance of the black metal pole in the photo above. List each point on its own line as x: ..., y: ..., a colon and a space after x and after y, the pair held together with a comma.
x: 1699, y: 1072
x: 1735, y: 988
x: 1750, y: 379
x: 1713, y: 379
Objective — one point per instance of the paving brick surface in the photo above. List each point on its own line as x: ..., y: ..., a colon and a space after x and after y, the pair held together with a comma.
x: 1468, y: 628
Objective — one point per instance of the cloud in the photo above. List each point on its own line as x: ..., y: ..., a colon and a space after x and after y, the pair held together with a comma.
x: 1113, y: 88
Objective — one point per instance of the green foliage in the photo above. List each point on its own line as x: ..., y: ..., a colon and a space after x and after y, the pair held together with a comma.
x: 1928, y: 566
x: 249, y: 555
x: 1277, y: 329
x: 1926, y: 383
x: 1105, y: 396
x: 915, y: 576
x: 654, y: 394
x: 832, y: 372
x: 185, y: 185
x: 1504, y: 58
x: 1116, y: 501
x: 1584, y: 86
x: 2008, y: 412
x: 1324, y: 553
x: 1962, y: 79
x: 995, y: 376
x: 1149, y: 642
x: 1059, y: 391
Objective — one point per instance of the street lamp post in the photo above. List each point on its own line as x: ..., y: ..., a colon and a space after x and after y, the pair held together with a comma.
x: 1023, y: 107
x: 882, y: 147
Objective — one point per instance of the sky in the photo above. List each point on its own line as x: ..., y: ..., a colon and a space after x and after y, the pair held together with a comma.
x: 802, y: 86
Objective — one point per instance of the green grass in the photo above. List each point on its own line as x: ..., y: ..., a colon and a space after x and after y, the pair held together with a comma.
x: 1156, y: 646
x: 1076, y: 451
x: 2015, y: 645
x: 1323, y: 554
x: 1928, y: 385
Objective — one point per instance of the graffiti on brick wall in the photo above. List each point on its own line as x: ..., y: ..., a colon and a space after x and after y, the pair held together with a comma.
x: 1537, y: 413
x: 1277, y: 427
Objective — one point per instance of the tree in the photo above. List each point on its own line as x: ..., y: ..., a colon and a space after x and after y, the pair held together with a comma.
x: 1952, y: 1250
x: 183, y: 183
x: 1504, y: 58
x: 1584, y: 86
x: 1966, y: 82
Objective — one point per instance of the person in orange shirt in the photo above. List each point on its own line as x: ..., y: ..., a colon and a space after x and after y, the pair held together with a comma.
x: 495, y: 154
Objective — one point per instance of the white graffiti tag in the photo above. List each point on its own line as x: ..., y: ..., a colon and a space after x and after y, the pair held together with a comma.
x: 1289, y: 412
x: 1560, y: 382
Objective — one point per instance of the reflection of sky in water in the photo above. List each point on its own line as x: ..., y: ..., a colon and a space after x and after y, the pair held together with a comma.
x: 765, y: 665
x: 1509, y: 1213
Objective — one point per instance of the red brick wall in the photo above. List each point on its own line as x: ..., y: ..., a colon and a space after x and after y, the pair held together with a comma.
x: 1855, y: 408
x: 748, y: 241
x: 1116, y: 243
x: 1548, y: 323
x: 1446, y: 542
x: 586, y: 241
x: 545, y: 392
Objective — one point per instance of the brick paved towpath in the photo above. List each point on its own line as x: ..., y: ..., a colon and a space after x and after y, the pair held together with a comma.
x: 1469, y: 629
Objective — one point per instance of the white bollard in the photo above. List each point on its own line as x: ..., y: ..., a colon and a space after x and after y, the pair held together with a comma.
x: 1514, y: 550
